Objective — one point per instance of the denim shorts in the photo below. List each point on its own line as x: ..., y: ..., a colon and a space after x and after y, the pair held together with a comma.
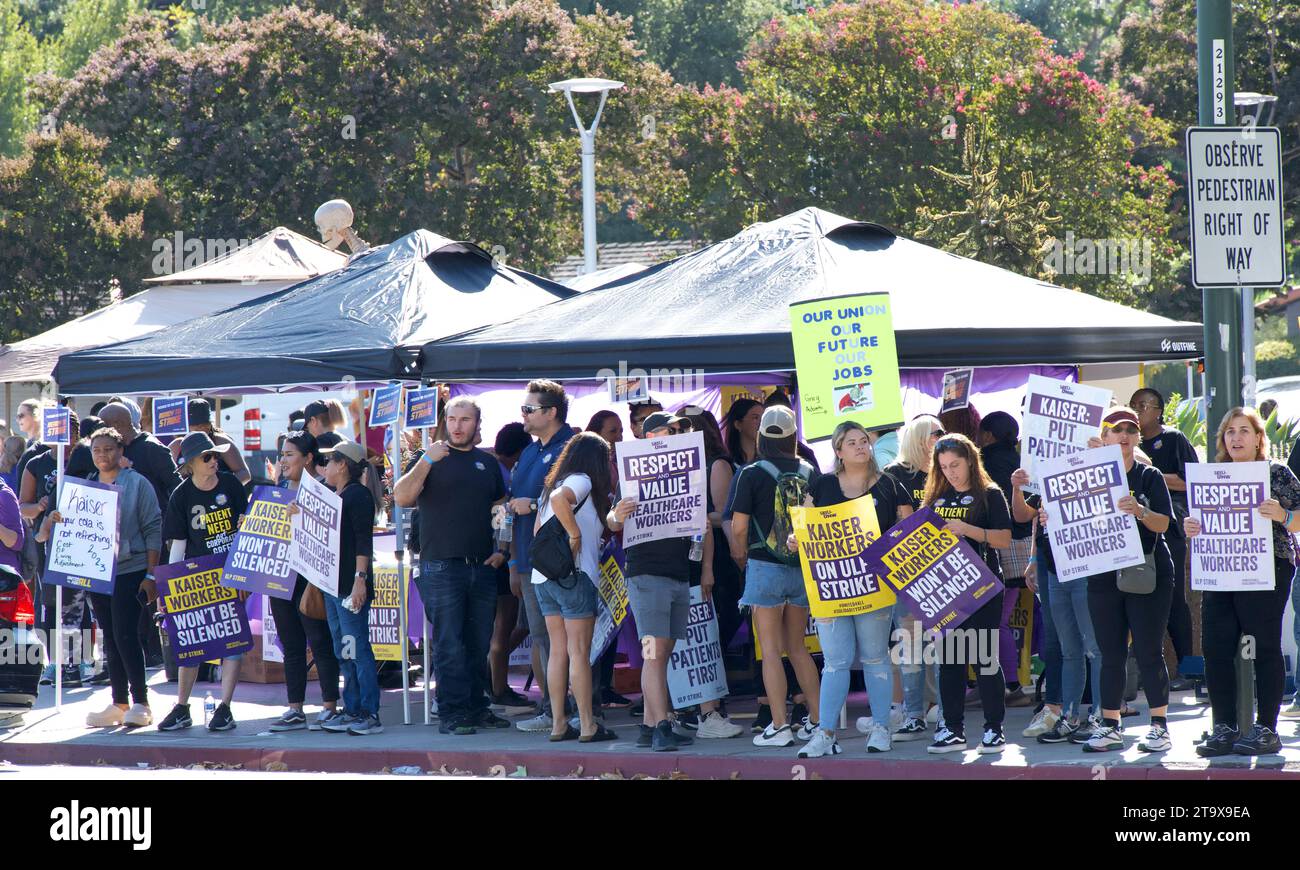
x: 772, y: 584
x: 576, y: 603
x: 660, y: 605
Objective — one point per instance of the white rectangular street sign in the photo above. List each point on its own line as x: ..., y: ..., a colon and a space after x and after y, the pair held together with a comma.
x: 1234, y: 196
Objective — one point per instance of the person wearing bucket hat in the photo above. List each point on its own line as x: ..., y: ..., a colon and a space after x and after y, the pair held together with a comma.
x: 1117, y: 614
x: 201, y: 519
x: 200, y: 419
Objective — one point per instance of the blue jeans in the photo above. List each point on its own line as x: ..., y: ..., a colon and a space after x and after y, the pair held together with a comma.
x: 351, y: 635
x: 460, y: 599
x: 845, y: 638
x: 912, y: 671
x: 1078, y: 642
x: 1051, y: 653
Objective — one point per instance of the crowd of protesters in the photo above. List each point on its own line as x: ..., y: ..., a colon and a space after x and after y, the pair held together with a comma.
x: 477, y: 514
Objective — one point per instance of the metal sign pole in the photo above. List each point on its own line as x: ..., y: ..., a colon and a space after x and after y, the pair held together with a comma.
x: 399, y: 548
x: 58, y: 590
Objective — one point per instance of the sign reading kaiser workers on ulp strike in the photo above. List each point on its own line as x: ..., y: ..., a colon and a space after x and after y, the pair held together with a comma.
x: 1087, y: 531
x: 936, y: 574
x: 1234, y: 551
x: 1060, y: 417
x: 666, y: 477
x: 832, y: 543
x: 847, y: 363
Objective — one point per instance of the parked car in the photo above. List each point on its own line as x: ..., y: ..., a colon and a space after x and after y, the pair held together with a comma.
x: 21, y: 652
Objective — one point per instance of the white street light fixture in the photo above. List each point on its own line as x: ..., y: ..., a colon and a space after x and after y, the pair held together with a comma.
x: 588, y: 136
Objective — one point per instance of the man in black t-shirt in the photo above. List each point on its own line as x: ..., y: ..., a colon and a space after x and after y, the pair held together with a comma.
x: 455, y: 485
x: 1170, y: 451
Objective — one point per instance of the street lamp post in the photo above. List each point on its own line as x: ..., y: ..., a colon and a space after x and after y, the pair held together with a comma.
x: 588, y: 135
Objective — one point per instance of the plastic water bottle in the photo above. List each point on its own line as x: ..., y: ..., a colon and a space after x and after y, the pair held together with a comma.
x: 209, y: 708
x: 506, y: 534
x: 697, y: 548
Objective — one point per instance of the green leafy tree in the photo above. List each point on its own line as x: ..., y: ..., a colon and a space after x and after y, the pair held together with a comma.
x: 67, y: 228
x: 19, y: 55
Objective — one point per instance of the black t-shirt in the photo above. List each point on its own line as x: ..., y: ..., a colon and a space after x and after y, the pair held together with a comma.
x: 669, y: 557
x: 149, y: 457
x: 1170, y: 451
x: 44, y: 472
x: 888, y: 493
x: 456, y: 505
x: 1001, y: 461
x: 27, y: 456
x: 1147, y: 485
x: 356, y: 537
x: 912, y: 480
x: 1041, y: 542
x: 990, y: 513
x: 756, y: 496
x: 205, y: 521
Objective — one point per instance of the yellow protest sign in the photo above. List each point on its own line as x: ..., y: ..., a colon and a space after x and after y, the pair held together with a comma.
x: 811, y: 640
x: 386, y: 612
x: 831, y: 542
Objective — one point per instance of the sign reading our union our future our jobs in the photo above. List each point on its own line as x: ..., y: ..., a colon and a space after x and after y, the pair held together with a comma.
x: 936, y: 574
x: 847, y: 363
x: 1234, y: 551
x: 666, y: 477
x: 1087, y: 531
x: 1235, y: 205
x: 1060, y: 417
x: 832, y: 543
x: 203, y: 619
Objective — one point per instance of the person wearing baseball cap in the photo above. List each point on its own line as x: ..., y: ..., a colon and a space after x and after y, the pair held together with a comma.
x: 316, y: 418
x: 1145, y: 615
x: 201, y: 519
x: 774, y: 587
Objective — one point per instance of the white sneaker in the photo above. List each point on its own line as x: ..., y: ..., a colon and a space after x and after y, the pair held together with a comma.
x: 774, y: 736
x: 866, y: 724
x: 822, y: 743
x: 110, y: 717
x: 323, y: 718
x: 1156, y: 740
x: 879, y: 740
x: 1104, y: 739
x: 536, y: 724
x: 1045, y: 720
x: 1293, y: 711
x: 715, y: 725
x: 806, y: 729
x: 138, y: 716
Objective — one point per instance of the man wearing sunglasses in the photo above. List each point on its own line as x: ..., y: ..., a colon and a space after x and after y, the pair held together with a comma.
x: 545, y: 411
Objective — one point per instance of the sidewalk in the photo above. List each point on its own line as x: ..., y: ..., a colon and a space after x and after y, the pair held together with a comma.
x: 49, y: 736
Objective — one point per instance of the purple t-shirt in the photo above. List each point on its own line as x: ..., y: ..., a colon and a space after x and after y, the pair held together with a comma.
x: 11, y: 519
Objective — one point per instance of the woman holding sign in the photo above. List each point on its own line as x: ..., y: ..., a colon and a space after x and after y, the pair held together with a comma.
x: 1116, y: 612
x: 139, y: 536
x: 864, y: 635
x: 973, y: 507
x: 1227, y: 616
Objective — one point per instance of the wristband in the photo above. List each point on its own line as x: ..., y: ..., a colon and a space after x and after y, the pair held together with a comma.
x: 510, y: 564
x: 427, y: 458
x: 148, y: 576
x: 1290, y: 515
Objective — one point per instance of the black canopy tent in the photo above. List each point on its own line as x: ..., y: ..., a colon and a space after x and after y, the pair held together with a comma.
x: 723, y: 309
x: 367, y: 321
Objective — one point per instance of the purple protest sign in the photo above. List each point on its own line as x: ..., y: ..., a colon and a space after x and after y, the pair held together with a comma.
x: 258, y: 558
x: 936, y: 574
x: 203, y: 619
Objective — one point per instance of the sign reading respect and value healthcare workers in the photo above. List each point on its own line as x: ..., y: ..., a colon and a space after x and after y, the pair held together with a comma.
x: 936, y: 574
x: 847, y: 363
x: 832, y: 543
x: 83, y: 549
x: 1059, y: 419
x: 1087, y: 531
x: 203, y: 619
x: 666, y: 477
x: 316, y: 535
x: 258, y: 559
x: 1234, y: 551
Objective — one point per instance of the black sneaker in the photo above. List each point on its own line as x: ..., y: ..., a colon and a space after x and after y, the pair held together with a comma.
x: 1060, y: 733
x: 947, y: 741
x: 689, y: 719
x: 638, y: 709
x: 222, y: 719
x: 71, y: 676
x: 911, y: 729
x: 367, y: 726
x: 762, y: 720
x: 103, y: 678
x: 610, y: 698
x: 510, y: 699
x: 798, y: 714
x: 1259, y: 740
x: 679, y: 737
x: 292, y: 720
x: 662, y: 738
x: 488, y: 719
x: 645, y: 739
x: 177, y: 719
x: 993, y: 742
x: 459, y: 728
x: 1218, y: 743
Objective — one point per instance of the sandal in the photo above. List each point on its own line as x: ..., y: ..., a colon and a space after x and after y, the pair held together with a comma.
x: 570, y: 733
x: 600, y: 735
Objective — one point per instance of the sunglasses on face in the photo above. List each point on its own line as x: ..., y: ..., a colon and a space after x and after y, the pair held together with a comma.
x: 209, y: 457
x: 1144, y: 406
x: 938, y: 433
x: 1125, y: 428
x: 335, y: 457
x: 531, y: 409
